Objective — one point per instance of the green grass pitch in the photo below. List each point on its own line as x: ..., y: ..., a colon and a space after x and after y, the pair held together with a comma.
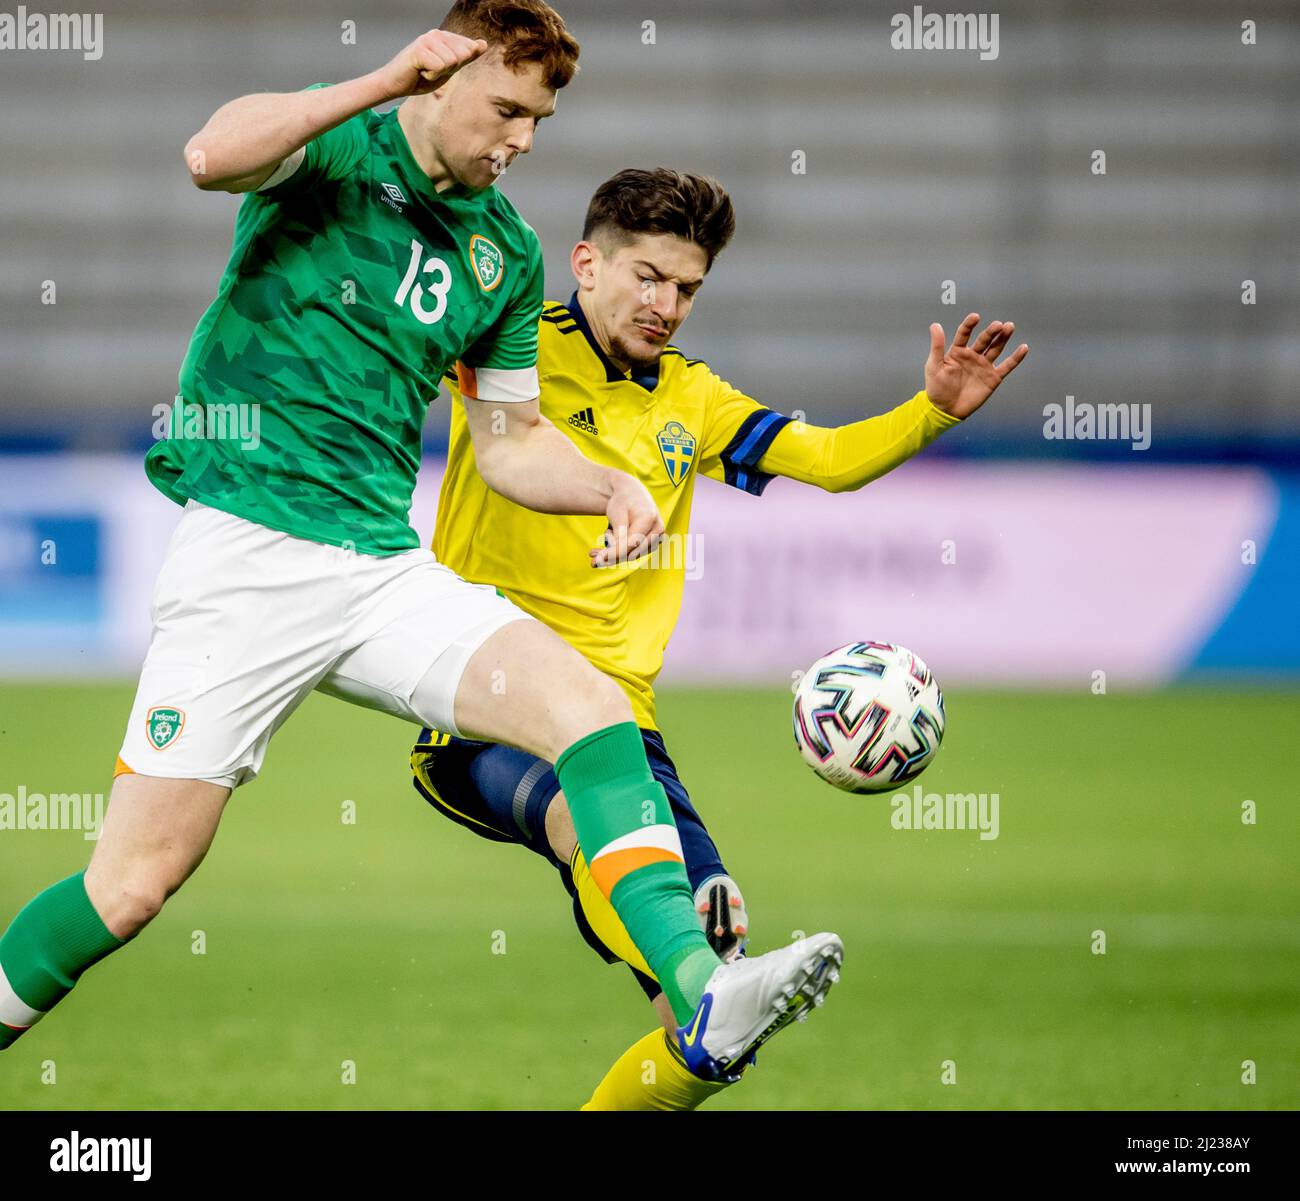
x: 380, y: 942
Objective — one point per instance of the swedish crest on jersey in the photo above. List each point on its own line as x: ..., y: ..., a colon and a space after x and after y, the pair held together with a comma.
x: 164, y: 724
x: 677, y: 449
x: 488, y: 262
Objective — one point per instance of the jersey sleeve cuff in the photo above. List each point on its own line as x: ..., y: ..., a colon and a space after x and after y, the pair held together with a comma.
x: 287, y: 169
x: 942, y: 420
x: 498, y: 385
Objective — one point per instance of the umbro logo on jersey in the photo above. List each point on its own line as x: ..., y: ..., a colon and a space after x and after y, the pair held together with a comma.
x: 584, y: 420
x: 392, y: 196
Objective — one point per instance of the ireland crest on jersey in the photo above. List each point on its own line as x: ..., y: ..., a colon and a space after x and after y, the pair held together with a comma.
x: 677, y: 447
x: 164, y: 725
x: 487, y: 260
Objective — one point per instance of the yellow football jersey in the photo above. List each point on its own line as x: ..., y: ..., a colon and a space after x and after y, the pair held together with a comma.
x: 666, y: 430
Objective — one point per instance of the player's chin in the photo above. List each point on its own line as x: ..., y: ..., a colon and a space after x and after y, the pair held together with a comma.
x: 480, y: 174
x: 646, y: 347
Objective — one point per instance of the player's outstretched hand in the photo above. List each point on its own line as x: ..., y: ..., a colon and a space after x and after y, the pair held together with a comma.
x: 428, y: 62
x: 635, y: 526
x: 961, y: 380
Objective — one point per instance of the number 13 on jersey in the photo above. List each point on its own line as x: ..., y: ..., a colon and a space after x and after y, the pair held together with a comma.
x: 438, y: 288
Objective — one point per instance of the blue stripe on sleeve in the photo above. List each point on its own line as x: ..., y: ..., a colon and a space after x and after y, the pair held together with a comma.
x: 747, y: 448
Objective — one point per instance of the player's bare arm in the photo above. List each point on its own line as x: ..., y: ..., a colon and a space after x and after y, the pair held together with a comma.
x: 244, y: 141
x: 526, y: 459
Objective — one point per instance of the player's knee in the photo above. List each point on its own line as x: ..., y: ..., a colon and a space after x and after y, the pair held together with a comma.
x: 132, y: 906
x: 586, y: 700
x: 598, y: 704
x: 559, y: 828
x: 129, y: 903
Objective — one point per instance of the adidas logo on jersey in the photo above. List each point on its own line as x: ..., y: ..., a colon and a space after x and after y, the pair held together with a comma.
x: 392, y: 196
x: 584, y: 420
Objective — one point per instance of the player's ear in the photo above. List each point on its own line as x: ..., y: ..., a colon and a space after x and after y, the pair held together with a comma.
x: 584, y: 261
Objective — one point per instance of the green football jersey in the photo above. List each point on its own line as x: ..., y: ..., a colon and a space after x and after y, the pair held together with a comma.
x: 352, y: 287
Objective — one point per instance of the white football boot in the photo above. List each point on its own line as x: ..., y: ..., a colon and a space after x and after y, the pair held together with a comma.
x: 749, y: 1000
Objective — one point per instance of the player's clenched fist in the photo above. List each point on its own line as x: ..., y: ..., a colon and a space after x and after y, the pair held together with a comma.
x: 428, y: 62
x: 635, y: 526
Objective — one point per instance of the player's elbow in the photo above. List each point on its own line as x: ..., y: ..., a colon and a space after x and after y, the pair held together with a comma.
x: 196, y: 163
x: 509, y: 443
x: 503, y: 476
x: 491, y: 471
x: 840, y: 482
x: 833, y: 474
x: 492, y: 459
x: 204, y: 173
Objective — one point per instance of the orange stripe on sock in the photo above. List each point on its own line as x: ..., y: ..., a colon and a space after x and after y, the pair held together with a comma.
x: 122, y: 768
x: 609, y: 869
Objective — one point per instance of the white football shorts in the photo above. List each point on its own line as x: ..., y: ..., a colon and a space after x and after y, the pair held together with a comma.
x: 247, y: 621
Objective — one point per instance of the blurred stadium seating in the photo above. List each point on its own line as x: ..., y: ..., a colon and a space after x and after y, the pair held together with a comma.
x: 921, y: 167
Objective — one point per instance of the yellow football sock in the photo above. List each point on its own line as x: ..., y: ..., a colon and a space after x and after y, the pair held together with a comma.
x: 650, y: 1075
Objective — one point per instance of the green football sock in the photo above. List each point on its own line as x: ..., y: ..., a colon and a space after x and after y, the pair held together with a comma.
x: 626, y: 830
x: 56, y: 936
